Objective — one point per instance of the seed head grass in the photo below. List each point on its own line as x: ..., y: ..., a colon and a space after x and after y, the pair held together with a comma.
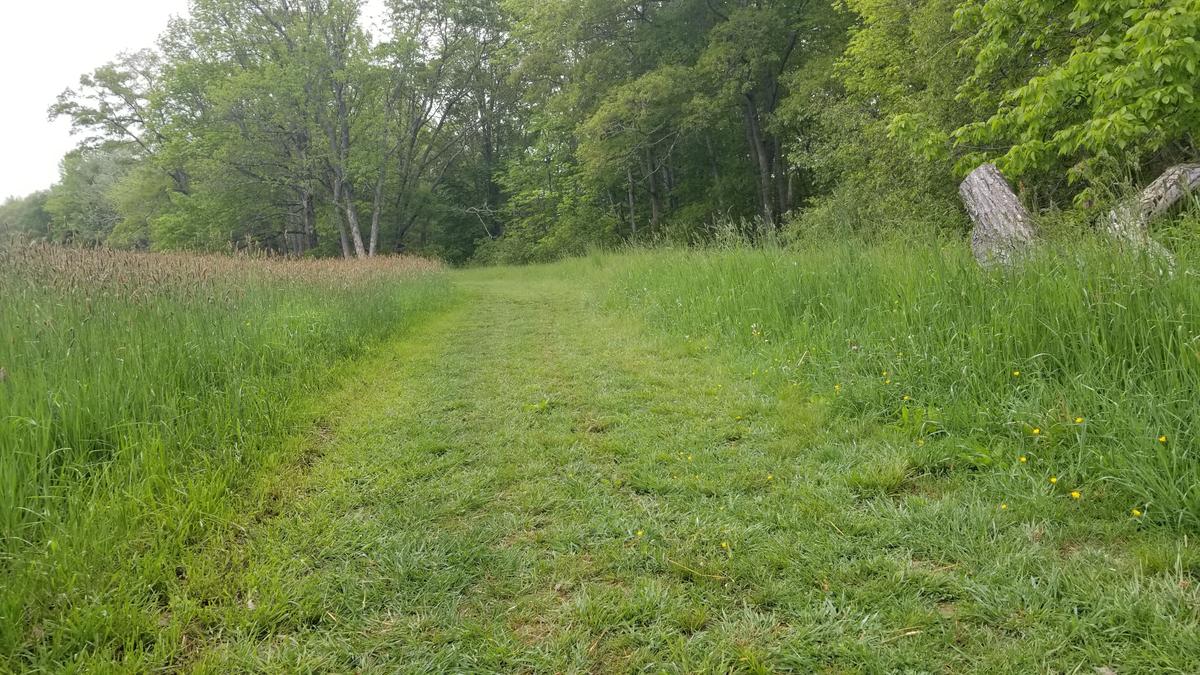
x: 139, y: 390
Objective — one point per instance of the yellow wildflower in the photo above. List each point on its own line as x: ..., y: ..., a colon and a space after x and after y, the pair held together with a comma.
x: 1076, y: 494
x: 1003, y: 507
x: 1137, y: 513
x: 1037, y: 431
x: 1016, y: 373
x: 641, y: 533
x: 1023, y: 459
x: 1162, y: 439
x: 1078, y: 420
x: 1053, y: 480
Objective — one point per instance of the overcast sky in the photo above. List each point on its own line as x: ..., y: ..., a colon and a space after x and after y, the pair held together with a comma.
x: 45, y: 45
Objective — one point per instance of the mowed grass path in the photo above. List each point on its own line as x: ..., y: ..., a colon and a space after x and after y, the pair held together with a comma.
x: 533, y: 483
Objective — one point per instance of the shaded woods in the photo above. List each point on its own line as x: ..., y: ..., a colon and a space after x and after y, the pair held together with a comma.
x: 524, y: 130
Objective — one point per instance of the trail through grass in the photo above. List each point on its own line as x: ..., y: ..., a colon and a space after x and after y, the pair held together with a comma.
x: 532, y: 482
x: 138, y: 395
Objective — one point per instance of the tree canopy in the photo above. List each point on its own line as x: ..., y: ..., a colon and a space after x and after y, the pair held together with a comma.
x: 524, y: 130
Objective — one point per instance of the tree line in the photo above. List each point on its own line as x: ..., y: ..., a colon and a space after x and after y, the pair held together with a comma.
x: 525, y: 130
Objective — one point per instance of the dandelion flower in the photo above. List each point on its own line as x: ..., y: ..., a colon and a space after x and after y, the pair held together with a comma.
x: 1137, y: 513
x: 837, y: 387
x: 1162, y: 439
x: 1053, y: 480
x: 1037, y: 431
x: 1004, y: 507
x: 887, y: 381
x: 770, y: 476
x: 725, y: 545
x: 1023, y: 459
x: 1078, y: 420
x: 641, y: 533
x: 1076, y: 494
x: 1016, y: 373
x: 906, y: 397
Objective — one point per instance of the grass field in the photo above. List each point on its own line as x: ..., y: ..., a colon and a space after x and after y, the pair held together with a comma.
x: 1081, y: 367
x: 751, y: 461
x: 138, y: 390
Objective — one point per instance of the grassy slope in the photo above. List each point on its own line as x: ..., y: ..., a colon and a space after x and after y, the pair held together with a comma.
x: 533, y: 482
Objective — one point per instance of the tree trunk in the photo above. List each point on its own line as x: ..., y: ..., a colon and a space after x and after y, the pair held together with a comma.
x: 1003, y: 228
x: 377, y: 209
x: 342, y: 234
x: 337, y: 216
x: 182, y: 181
x: 632, y: 204
x: 655, y: 194
x: 310, y: 222
x: 1129, y: 222
x: 670, y: 185
x: 716, y: 173
x: 782, y: 177
x: 299, y: 234
x: 758, y: 151
x: 360, y: 250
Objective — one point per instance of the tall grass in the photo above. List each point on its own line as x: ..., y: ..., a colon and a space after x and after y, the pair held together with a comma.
x: 1085, y: 361
x: 137, y: 390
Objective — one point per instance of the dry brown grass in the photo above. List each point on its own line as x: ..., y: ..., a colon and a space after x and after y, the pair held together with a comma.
x: 134, y: 274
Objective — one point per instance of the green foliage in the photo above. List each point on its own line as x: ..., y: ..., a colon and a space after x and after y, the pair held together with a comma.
x: 81, y: 206
x: 533, y: 130
x: 142, y: 196
x: 25, y: 217
x: 1112, y: 86
x: 633, y: 119
x: 112, y: 103
x: 876, y: 121
x: 284, y: 126
x: 550, y: 215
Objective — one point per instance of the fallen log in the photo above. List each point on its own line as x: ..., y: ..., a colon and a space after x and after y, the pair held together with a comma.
x: 1129, y: 221
x: 1003, y: 228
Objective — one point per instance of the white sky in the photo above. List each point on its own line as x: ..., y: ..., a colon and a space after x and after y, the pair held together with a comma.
x: 45, y: 45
